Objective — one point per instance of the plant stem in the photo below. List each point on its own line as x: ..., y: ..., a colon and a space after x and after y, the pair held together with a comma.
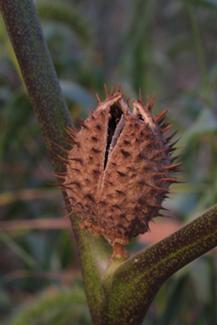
x: 37, y: 68
x: 50, y: 108
x: 133, y: 285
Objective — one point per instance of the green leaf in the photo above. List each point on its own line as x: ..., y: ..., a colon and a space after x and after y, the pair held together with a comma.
x: 65, y: 13
x: 54, y: 307
x: 199, y: 273
x: 76, y: 94
x: 211, y: 4
x: 174, y: 301
x: 17, y: 249
x: 206, y: 122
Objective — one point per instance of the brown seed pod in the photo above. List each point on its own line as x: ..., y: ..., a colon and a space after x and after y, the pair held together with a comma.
x: 119, y: 169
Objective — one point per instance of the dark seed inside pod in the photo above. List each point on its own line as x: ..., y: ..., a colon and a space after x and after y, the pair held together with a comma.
x: 113, y: 124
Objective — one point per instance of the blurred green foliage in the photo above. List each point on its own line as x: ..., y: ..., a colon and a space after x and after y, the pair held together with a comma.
x: 57, y: 307
x: 164, y: 49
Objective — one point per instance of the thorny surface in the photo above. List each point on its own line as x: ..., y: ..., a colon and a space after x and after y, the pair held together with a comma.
x: 120, y: 169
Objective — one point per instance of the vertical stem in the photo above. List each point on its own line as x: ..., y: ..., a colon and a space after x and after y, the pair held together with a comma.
x: 36, y: 66
x: 45, y: 93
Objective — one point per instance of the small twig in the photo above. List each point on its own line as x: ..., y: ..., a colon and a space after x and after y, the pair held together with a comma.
x: 65, y: 277
x: 27, y: 195
x: 37, y: 224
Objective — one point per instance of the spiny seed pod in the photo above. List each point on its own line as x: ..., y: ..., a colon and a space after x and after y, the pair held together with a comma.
x: 119, y: 169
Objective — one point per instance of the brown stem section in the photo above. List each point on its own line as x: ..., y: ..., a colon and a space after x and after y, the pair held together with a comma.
x: 119, y: 251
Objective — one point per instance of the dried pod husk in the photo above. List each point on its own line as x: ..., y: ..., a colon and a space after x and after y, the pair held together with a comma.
x: 119, y: 169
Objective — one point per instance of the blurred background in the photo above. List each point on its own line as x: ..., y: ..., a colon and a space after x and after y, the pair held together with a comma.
x: 166, y: 49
